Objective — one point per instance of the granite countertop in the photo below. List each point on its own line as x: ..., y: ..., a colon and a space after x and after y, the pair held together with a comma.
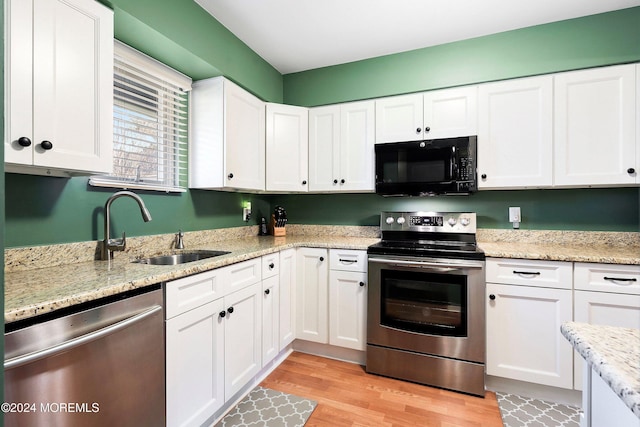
x: 613, y: 353
x: 31, y: 292
x: 41, y: 279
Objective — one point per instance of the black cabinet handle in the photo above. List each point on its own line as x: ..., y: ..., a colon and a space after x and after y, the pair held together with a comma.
x: 621, y: 279
x: 492, y: 297
x: 230, y: 310
x: 46, y: 145
x: 335, y: 181
x: 23, y: 141
x: 427, y: 129
x: 528, y: 273
x: 418, y: 130
x: 223, y: 313
x: 631, y: 171
x: 230, y: 176
x: 361, y: 283
x: 304, y: 182
x: 342, y: 181
x: 483, y: 176
x: 271, y: 266
x: 321, y: 258
x: 348, y: 261
x: 267, y: 291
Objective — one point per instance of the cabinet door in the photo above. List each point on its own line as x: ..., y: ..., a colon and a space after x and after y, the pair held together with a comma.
x: 72, y: 84
x: 195, y: 365
x: 450, y: 113
x: 515, y: 145
x: 399, y: 118
x: 348, y: 309
x: 244, y: 136
x: 594, y: 132
x: 357, y: 157
x: 600, y: 308
x: 242, y: 337
x: 287, y: 304
x: 312, y: 295
x: 270, y: 310
x: 523, y: 334
x: 324, y: 148
x: 287, y: 148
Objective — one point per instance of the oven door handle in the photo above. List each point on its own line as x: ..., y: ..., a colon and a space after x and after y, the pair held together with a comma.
x: 427, y: 265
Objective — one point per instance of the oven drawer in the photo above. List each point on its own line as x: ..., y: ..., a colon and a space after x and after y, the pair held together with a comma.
x: 545, y: 274
x: 348, y: 260
x: 621, y: 279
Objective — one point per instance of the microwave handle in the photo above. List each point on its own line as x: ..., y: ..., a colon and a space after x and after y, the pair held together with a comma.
x: 453, y: 166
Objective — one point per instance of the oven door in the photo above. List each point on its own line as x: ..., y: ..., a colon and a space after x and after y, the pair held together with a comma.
x: 431, y: 306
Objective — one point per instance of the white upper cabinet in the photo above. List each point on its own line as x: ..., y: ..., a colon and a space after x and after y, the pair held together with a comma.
x: 595, y: 127
x: 287, y: 148
x: 443, y: 113
x: 399, y: 118
x: 227, y: 145
x: 515, y: 133
x: 341, y: 140
x: 59, y: 87
x: 451, y: 112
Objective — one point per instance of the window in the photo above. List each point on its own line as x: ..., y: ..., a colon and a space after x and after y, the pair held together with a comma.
x: 150, y: 124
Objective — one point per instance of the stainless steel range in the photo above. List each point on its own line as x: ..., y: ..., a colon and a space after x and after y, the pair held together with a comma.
x: 426, y: 316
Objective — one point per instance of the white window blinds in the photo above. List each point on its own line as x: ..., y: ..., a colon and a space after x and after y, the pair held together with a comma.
x: 150, y: 124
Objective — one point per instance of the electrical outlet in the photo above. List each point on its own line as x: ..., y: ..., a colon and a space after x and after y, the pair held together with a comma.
x: 246, y: 212
x: 515, y: 216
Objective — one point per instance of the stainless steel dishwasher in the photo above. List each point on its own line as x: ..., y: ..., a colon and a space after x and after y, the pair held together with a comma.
x: 102, y: 366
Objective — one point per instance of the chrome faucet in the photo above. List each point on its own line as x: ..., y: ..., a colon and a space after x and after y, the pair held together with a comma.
x: 180, y: 240
x: 109, y: 245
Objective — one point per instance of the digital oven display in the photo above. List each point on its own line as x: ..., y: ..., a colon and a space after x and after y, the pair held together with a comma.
x: 433, y: 221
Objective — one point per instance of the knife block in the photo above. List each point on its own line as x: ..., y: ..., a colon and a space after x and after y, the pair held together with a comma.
x: 276, y: 231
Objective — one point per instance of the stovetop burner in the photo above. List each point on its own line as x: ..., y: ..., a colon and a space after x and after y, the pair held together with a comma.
x: 428, y: 234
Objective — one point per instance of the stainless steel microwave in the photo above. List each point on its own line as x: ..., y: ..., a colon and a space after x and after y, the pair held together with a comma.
x: 430, y: 167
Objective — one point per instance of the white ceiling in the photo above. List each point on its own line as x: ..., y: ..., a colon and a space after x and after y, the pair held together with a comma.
x: 298, y: 35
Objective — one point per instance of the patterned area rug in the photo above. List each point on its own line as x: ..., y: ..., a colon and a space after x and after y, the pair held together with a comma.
x: 264, y: 407
x: 518, y: 411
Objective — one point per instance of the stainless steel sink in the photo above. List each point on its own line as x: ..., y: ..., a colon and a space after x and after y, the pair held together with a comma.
x: 180, y: 258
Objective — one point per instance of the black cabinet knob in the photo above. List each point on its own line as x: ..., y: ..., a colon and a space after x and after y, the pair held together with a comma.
x: 492, y: 297
x: 361, y: 283
x: 427, y: 129
x: 23, y: 141
x: 321, y: 258
x: 418, y: 130
x: 483, y: 176
x: 271, y: 266
x: 342, y: 181
x: 230, y: 176
x: 46, y: 145
x: 631, y: 171
x: 335, y: 181
x: 267, y: 292
x: 304, y: 182
x: 223, y: 313
x: 230, y: 310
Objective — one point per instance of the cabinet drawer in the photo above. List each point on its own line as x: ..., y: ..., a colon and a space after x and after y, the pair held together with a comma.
x: 190, y: 292
x: 621, y: 279
x: 237, y: 276
x: 348, y: 260
x: 545, y: 274
x: 270, y: 265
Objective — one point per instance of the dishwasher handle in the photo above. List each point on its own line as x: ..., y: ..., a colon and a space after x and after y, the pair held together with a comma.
x: 17, y: 361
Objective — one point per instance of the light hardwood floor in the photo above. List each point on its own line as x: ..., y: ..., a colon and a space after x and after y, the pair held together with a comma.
x: 348, y: 396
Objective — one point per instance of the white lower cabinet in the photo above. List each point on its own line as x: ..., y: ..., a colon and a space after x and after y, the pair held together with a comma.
x: 524, y: 314
x: 348, y: 309
x: 605, y: 294
x: 270, y: 307
x: 213, y: 340
x: 312, y: 311
x: 287, y: 298
x: 601, y: 406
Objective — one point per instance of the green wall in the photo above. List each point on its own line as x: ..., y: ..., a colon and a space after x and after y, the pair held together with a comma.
x: 591, y: 41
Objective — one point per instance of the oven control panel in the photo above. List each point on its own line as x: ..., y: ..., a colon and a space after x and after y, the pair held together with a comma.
x: 440, y: 222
